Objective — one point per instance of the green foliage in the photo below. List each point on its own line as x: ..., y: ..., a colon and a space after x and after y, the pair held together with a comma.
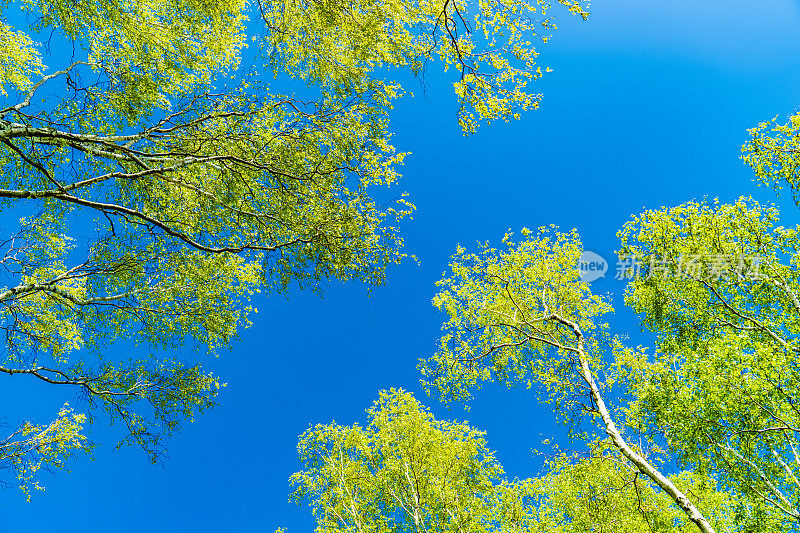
x: 721, y: 383
x: 499, y: 304
x: 33, y: 448
x: 339, y: 44
x: 406, y: 471
x: 600, y: 491
x: 703, y: 262
x: 719, y: 285
x: 203, y: 187
x: 150, y: 50
x: 773, y: 152
x: 19, y: 59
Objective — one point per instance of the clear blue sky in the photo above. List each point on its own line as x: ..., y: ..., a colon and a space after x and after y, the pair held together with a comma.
x: 648, y: 106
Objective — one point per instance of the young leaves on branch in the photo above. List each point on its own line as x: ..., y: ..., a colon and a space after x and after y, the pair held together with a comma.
x: 721, y: 385
x: 521, y: 314
x: 201, y: 190
x: 408, y: 472
x: 339, y: 44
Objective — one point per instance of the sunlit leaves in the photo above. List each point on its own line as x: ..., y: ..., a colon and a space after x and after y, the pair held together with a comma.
x: 491, y: 45
x: 34, y: 448
x: 499, y: 305
x: 720, y: 385
x: 407, y: 472
x: 20, y: 61
x: 599, y: 491
x: 150, y: 50
x: 692, y: 302
x: 773, y: 152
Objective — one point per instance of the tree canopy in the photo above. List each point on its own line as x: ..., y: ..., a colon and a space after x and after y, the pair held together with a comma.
x: 152, y: 124
x: 406, y: 471
x: 697, y: 432
x: 717, y: 284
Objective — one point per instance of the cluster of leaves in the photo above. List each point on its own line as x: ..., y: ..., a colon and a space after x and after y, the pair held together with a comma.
x: 20, y: 61
x: 500, y: 305
x: 773, y: 152
x: 599, y: 491
x: 721, y: 385
x: 148, y: 51
x: 406, y: 471
x: 32, y: 448
x: 339, y: 44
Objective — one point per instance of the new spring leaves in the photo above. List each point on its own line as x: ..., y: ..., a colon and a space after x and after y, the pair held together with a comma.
x: 202, y: 198
x: 520, y: 314
x: 206, y: 188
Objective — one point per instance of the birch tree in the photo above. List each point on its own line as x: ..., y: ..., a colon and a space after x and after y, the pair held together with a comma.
x: 522, y: 314
x: 405, y: 471
x: 718, y: 285
x: 152, y: 184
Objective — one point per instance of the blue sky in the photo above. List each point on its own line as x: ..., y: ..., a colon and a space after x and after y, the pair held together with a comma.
x: 648, y: 106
